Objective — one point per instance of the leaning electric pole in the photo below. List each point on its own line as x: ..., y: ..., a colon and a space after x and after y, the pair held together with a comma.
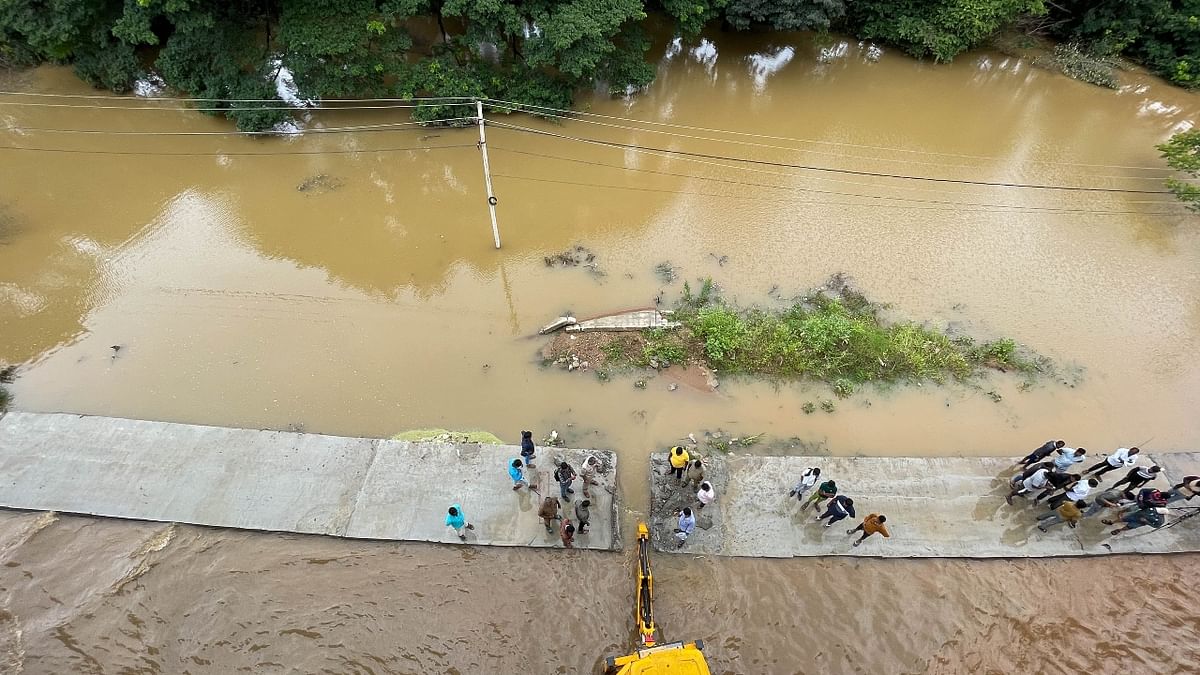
x: 487, y: 172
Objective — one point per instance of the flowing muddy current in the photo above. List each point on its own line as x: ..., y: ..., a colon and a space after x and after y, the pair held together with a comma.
x: 346, y: 283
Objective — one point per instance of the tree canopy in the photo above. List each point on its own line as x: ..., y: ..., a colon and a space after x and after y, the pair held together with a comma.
x: 1182, y: 153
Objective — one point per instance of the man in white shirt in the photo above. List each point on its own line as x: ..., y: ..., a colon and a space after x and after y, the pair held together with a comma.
x: 1036, y: 481
x: 807, y: 480
x: 706, y: 494
x: 1067, y: 457
x: 1075, y: 492
x: 1123, y: 458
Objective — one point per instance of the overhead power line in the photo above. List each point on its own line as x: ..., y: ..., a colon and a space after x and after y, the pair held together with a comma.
x: 528, y: 107
x: 771, y: 146
x: 127, y: 97
x: 821, y: 191
x: 824, y: 169
x: 394, y: 126
x: 237, y: 154
x: 285, y: 108
x: 1012, y: 209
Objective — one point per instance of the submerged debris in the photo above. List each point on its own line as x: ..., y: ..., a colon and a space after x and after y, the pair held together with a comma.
x: 665, y: 272
x: 319, y: 184
x: 577, y: 256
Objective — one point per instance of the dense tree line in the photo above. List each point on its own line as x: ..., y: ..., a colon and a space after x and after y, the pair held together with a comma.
x: 534, y: 51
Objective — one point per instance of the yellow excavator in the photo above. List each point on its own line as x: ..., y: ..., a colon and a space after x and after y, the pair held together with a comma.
x: 651, y: 658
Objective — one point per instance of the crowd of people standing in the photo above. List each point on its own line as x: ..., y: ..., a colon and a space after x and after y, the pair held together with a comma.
x: 1133, y: 501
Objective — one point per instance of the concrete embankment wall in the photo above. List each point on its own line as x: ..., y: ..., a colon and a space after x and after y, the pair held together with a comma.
x: 287, y: 482
x: 936, y: 507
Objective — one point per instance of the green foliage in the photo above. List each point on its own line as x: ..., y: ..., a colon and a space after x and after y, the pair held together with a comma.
x: 839, y: 341
x: 692, y: 15
x: 665, y: 347
x: 941, y: 29
x: 352, y: 56
x: 808, y: 408
x: 1074, y: 62
x: 1162, y: 34
x: 1182, y: 153
x: 784, y: 14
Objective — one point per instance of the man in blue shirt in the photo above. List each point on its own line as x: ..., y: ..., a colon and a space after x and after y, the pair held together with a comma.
x: 516, y: 473
x: 456, y: 520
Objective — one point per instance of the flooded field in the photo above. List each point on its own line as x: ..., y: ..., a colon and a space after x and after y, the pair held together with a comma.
x: 347, y: 283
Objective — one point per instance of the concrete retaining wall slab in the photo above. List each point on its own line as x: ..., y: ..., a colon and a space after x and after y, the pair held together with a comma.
x: 940, y: 507
x: 282, y: 481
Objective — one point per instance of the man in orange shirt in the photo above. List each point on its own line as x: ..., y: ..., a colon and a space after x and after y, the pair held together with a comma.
x: 870, y: 525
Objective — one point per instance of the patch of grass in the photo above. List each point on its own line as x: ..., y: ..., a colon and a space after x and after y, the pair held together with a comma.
x: 664, y: 347
x: 828, y: 406
x: 615, y: 352
x: 808, y: 408
x: 843, y: 388
x: 5, y: 399
x: 836, y: 337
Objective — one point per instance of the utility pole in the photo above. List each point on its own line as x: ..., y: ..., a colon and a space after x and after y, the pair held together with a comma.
x: 487, y: 172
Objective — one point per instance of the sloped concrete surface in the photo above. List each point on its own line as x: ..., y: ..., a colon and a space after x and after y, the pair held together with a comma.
x: 936, y: 507
x: 287, y: 482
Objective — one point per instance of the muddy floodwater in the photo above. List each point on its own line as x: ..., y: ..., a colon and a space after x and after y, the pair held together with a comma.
x: 347, y: 283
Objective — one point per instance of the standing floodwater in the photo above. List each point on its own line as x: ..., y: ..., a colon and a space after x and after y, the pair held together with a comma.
x: 347, y: 283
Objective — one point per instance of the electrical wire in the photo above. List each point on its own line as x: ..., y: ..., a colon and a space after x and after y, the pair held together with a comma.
x: 789, y: 148
x: 126, y: 97
x: 238, y: 154
x: 394, y: 106
x: 531, y: 108
x: 808, y: 167
x: 1011, y: 209
x: 394, y: 126
x: 815, y: 190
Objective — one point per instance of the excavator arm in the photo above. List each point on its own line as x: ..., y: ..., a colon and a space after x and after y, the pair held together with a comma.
x: 651, y: 658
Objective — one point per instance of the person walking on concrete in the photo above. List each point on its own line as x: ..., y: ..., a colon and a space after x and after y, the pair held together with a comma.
x: 1029, y: 471
x: 587, y: 475
x: 686, y: 526
x: 1068, y: 457
x: 457, y: 521
x: 679, y: 460
x: 870, y: 525
x: 1074, y: 492
x: 695, y: 471
x: 1055, y: 481
x: 1123, y: 458
x: 549, y: 513
x: 1035, y: 481
x: 527, y: 448
x: 516, y: 472
x: 1068, y: 512
x: 1186, y: 489
x: 824, y: 491
x: 566, y: 530
x: 808, y: 479
x: 1151, y: 515
x: 1109, y: 499
x: 705, y: 495
x: 1042, y: 453
x: 1138, y: 477
x: 565, y: 475
x: 839, y: 507
x: 583, y: 514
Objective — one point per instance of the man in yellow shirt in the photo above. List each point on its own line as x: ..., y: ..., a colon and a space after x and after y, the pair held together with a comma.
x: 679, y: 460
x: 870, y: 525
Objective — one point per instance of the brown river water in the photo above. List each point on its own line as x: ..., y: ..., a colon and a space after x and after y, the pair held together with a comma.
x: 372, y: 301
